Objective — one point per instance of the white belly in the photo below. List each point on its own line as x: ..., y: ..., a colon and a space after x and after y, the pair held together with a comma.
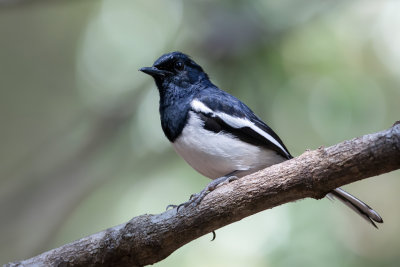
x: 218, y: 154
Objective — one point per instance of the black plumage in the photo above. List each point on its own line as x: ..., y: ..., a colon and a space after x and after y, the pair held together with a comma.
x: 216, y: 133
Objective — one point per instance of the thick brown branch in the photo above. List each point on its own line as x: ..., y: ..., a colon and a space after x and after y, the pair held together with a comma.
x: 148, y: 239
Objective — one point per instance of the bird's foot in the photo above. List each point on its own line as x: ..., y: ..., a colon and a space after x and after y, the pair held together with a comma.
x: 195, y: 199
x: 184, y: 204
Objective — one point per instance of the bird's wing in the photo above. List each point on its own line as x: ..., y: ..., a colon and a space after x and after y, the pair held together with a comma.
x: 223, y: 112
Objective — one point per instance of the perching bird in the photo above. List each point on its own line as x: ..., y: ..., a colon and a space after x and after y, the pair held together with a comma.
x: 217, y: 134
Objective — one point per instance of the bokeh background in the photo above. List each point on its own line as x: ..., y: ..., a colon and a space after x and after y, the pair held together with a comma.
x: 82, y: 148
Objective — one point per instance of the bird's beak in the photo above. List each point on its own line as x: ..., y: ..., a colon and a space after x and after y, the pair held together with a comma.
x: 154, y: 72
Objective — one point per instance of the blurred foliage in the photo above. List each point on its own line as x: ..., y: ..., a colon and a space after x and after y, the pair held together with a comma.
x: 82, y: 147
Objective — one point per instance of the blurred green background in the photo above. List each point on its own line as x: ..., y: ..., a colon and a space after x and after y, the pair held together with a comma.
x: 82, y: 148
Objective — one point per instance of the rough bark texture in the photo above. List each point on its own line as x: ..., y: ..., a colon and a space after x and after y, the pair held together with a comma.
x: 148, y: 238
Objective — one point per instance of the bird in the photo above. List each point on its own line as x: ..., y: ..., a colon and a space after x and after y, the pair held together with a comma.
x: 217, y: 134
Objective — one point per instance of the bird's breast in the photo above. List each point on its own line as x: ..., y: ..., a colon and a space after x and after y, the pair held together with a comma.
x: 218, y: 154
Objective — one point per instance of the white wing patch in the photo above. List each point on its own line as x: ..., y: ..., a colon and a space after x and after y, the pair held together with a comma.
x: 200, y: 107
x: 235, y: 122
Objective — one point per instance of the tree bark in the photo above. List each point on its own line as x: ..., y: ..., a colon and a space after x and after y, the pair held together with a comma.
x: 148, y: 238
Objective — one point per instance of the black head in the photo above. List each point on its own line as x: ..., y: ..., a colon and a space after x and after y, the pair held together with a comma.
x: 175, y: 69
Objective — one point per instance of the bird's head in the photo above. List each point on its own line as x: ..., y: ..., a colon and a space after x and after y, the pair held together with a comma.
x: 175, y: 70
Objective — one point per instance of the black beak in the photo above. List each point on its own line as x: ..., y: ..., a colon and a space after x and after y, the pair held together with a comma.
x: 154, y: 72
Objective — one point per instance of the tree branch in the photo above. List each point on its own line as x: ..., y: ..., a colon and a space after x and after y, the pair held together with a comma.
x: 147, y: 239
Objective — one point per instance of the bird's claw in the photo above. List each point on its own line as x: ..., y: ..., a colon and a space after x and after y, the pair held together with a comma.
x: 196, y: 198
x: 232, y: 178
x: 171, y: 206
x: 214, y: 236
x: 185, y: 204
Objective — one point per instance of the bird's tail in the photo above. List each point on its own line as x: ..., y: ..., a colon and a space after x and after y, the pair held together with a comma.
x: 357, y: 205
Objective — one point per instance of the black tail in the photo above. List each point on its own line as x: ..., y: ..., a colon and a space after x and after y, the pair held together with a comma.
x: 357, y: 205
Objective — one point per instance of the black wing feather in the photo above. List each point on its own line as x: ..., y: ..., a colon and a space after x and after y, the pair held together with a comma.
x: 220, y: 101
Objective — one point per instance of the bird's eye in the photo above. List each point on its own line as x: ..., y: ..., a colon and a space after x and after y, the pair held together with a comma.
x: 179, y: 65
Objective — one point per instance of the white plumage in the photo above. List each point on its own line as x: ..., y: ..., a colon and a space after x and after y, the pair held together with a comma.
x: 216, y: 133
x: 235, y: 122
x: 217, y: 154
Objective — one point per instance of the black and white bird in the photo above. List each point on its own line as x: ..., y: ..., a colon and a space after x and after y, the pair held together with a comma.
x: 217, y: 134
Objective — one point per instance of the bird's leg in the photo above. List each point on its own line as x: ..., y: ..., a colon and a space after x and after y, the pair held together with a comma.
x: 195, y: 199
x: 185, y: 204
